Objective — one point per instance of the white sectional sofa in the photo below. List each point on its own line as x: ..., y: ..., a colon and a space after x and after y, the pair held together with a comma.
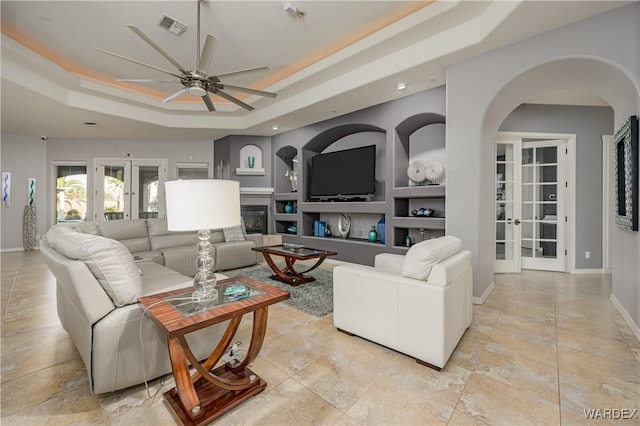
x: 419, y: 304
x: 99, y: 282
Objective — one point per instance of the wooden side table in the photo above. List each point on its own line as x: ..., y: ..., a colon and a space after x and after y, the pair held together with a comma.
x: 292, y: 253
x: 209, y: 393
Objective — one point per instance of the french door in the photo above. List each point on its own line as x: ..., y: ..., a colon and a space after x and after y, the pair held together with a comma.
x: 129, y: 189
x: 530, y: 205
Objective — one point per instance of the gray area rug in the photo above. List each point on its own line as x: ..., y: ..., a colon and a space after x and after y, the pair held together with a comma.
x: 315, y: 298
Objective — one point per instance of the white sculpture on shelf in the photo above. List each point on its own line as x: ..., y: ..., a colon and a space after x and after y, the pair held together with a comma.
x: 433, y: 172
x: 425, y: 172
x: 292, y: 175
x: 415, y: 172
x: 344, y: 225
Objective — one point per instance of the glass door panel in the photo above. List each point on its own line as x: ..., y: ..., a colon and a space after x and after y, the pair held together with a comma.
x: 541, y: 203
x: 115, y: 187
x: 71, y: 192
x: 507, y: 205
x: 146, y: 195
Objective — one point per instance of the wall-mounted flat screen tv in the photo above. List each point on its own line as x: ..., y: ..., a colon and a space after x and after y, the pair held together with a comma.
x: 345, y: 174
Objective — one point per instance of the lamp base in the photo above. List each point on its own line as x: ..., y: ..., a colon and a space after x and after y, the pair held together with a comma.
x: 205, y: 287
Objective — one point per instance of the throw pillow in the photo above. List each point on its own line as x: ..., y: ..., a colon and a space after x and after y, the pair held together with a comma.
x: 233, y: 234
x: 421, y: 257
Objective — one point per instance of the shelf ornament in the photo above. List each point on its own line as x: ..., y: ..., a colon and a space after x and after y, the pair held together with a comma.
x: 344, y: 225
x: 425, y: 172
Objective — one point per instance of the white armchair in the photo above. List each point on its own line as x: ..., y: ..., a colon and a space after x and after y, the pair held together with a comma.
x: 419, y: 304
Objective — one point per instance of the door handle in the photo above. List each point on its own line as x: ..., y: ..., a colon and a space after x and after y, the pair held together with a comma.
x: 515, y: 222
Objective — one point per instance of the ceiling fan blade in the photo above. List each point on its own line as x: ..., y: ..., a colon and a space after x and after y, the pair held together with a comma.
x: 156, y: 47
x: 234, y: 100
x: 240, y: 72
x: 137, y: 62
x: 144, y: 80
x: 208, y: 103
x: 209, y: 49
x: 246, y: 90
x: 175, y: 95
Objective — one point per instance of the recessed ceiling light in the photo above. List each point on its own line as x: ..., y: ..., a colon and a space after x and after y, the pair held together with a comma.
x: 401, y: 86
x: 274, y: 127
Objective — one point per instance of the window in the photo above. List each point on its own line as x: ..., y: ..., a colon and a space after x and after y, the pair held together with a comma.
x: 71, y: 192
x: 192, y: 171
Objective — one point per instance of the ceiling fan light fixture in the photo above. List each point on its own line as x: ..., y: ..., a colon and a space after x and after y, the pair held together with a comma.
x: 197, y: 89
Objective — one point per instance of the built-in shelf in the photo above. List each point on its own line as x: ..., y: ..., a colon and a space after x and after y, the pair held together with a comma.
x: 375, y: 207
x: 420, y: 191
x: 338, y: 240
x: 287, y: 217
x: 255, y: 190
x: 250, y: 172
x: 285, y: 196
x: 419, y: 222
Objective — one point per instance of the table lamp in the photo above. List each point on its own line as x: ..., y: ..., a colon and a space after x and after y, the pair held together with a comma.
x: 202, y: 205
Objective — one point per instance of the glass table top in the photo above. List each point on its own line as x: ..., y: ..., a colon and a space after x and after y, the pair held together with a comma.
x: 295, y: 249
x: 227, y: 293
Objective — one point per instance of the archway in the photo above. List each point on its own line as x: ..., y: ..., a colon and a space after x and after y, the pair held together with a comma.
x: 589, y: 75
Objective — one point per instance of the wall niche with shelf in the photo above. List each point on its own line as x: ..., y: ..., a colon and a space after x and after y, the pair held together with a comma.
x: 250, y: 161
x: 286, y: 161
x: 419, y: 137
x: 344, y: 137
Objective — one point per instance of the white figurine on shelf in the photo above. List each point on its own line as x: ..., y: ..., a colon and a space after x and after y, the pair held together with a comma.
x: 292, y: 177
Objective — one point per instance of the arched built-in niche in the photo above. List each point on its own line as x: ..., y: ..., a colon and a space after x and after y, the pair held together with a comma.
x: 345, y: 137
x: 250, y: 160
x: 420, y: 136
x: 285, y: 162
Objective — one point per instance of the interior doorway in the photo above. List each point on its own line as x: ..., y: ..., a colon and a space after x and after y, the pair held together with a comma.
x: 534, y: 202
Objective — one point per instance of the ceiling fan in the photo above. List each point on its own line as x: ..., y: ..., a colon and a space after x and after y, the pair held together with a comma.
x: 196, y: 82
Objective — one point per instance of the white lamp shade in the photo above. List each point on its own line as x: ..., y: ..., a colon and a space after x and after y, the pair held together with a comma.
x: 196, y: 204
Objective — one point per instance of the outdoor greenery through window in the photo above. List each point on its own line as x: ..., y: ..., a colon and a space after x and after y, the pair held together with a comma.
x: 71, y: 193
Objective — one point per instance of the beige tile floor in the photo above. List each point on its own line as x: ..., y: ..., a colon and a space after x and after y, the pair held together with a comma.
x: 543, y: 347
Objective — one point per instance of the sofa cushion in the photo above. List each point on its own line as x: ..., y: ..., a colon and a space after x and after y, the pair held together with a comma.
x: 161, y: 238
x: 422, y: 256
x: 233, y: 233
x: 89, y: 228
x: 131, y: 233
x: 108, y: 260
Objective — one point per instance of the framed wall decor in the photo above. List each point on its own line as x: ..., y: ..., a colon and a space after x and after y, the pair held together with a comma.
x: 626, y: 175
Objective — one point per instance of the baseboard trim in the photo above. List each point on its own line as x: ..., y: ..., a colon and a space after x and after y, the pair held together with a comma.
x: 11, y: 250
x: 590, y: 271
x: 627, y: 318
x: 480, y: 300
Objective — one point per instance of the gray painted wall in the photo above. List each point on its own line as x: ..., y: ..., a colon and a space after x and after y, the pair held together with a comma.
x: 34, y: 157
x: 588, y: 124
x: 24, y: 157
x: 599, y: 55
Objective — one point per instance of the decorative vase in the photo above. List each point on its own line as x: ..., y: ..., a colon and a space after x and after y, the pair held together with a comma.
x: 373, y: 234
x: 252, y: 162
x: 381, y: 229
x: 288, y: 208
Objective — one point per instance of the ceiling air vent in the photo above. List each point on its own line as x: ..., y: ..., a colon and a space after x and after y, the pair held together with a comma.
x: 171, y: 25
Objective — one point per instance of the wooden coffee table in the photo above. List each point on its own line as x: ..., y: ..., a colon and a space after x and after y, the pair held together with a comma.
x: 292, y: 253
x: 209, y: 393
